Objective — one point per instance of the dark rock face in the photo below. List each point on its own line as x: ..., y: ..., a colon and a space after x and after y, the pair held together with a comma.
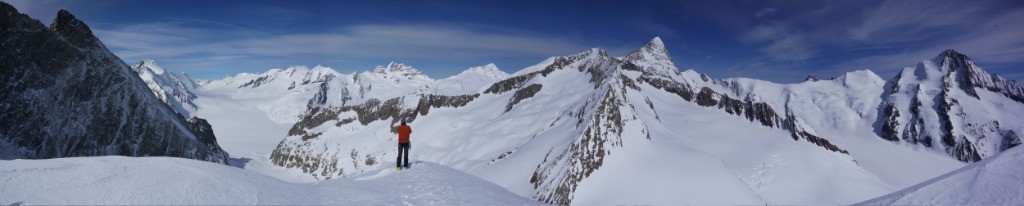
x: 256, y: 82
x: 509, y: 84
x: 320, y: 98
x: 522, y: 94
x: 889, y: 127
x: 763, y: 113
x: 64, y: 94
x: 682, y: 90
x: 706, y: 97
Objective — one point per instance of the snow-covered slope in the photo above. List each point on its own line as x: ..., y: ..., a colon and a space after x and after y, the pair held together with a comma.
x: 175, y: 89
x: 282, y: 94
x: 994, y: 180
x: 62, y: 94
x: 594, y: 129
x: 950, y: 105
x: 174, y: 181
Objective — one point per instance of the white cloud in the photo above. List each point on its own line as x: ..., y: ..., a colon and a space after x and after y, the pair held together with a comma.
x: 895, y: 21
x: 204, y: 47
x: 780, y: 43
x: 763, y: 12
x: 998, y: 43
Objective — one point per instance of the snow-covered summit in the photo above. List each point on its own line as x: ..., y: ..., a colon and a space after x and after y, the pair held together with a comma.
x: 951, y: 105
x: 174, y: 89
x: 400, y: 71
x: 969, y: 76
x: 653, y: 58
x: 149, y: 65
x: 469, y: 81
x: 489, y: 70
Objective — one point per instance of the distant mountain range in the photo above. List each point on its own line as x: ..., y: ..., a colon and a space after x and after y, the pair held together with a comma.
x: 550, y: 130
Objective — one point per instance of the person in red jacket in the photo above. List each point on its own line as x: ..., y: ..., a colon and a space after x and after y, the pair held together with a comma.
x: 403, y: 145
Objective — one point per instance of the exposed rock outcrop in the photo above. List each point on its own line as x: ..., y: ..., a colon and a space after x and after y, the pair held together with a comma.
x: 64, y: 94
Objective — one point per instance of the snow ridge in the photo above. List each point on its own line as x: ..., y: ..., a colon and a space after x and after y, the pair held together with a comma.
x: 288, y: 94
x: 173, y: 89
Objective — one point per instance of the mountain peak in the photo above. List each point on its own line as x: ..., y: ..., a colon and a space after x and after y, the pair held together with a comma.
x: 951, y: 53
x: 653, y: 58
x: 73, y: 30
x: 487, y: 70
x: 656, y: 44
x: 399, y: 69
x: 812, y: 78
x: 393, y: 67
x: 7, y: 9
x: 148, y: 63
x: 653, y: 50
x: 66, y: 21
x: 957, y: 59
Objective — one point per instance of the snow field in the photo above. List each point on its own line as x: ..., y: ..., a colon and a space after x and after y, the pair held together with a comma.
x: 115, y: 180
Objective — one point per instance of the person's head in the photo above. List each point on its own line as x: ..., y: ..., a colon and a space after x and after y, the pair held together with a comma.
x: 403, y: 121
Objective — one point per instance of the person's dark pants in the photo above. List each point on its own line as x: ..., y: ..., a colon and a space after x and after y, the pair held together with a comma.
x: 403, y: 149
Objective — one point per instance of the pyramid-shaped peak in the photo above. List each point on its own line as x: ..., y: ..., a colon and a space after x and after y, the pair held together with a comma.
x: 74, y: 31
x: 656, y: 43
x: 951, y: 54
x: 654, y: 48
x: 66, y: 22
x: 953, y: 59
x: 653, y: 58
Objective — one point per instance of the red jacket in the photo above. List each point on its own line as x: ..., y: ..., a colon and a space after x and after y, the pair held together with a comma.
x: 403, y: 133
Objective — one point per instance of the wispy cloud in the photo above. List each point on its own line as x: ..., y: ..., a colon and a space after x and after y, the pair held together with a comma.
x: 894, y: 21
x: 198, y: 47
x: 780, y: 43
x: 763, y: 12
x: 884, y: 36
x: 995, y: 42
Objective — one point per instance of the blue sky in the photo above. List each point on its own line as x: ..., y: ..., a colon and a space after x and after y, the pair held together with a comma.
x: 781, y: 41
